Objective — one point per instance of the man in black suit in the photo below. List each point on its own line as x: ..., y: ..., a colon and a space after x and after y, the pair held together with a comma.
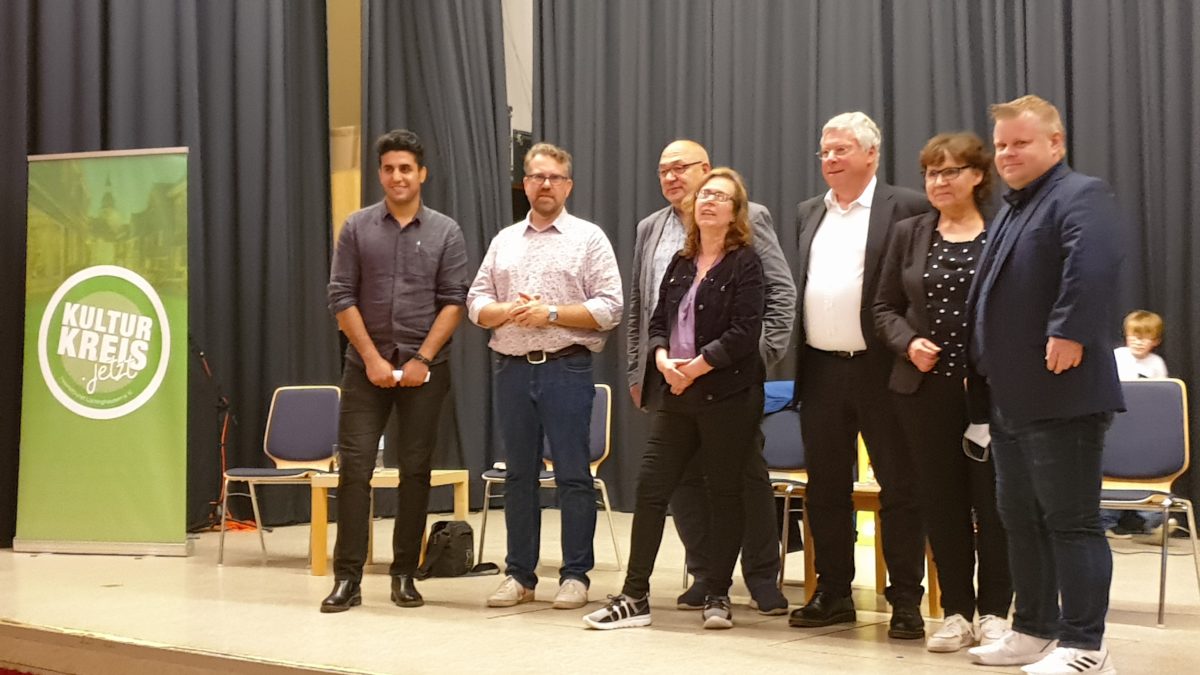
x: 841, y: 378
x: 1040, y: 316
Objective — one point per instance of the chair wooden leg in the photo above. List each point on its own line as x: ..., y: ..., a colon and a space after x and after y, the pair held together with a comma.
x: 487, y: 502
x: 783, y: 538
x: 612, y: 530
x: 935, y: 586
x: 258, y: 522
x: 810, y: 560
x: 880, y: 562
x: 318, y: 530
x: 224, y: 513
x: 371, y: 527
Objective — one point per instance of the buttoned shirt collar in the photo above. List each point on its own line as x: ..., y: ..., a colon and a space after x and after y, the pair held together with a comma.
x: 419, y: 216
x: 560, y: 222
x: 864, y: 200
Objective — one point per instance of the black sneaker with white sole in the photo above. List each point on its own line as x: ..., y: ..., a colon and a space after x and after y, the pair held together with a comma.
x: 621, y: 611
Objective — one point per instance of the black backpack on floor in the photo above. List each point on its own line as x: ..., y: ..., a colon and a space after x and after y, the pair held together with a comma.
x: 450, y: 552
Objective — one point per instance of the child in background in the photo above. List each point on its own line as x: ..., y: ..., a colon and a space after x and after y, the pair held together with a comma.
x: 1137, y: 360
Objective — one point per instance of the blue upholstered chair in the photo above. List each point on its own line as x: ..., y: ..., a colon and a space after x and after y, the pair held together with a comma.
x: 784, y: 452
x: 300, y: 439
x: 1145, y: 450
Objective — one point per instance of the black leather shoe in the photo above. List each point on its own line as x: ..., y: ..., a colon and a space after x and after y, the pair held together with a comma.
x: 825, y: 609
x: 346, y: 594
x: 906, y: 623
x: 404, y: 591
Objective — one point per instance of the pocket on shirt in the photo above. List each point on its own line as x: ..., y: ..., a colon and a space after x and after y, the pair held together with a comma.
x: 422, y: 264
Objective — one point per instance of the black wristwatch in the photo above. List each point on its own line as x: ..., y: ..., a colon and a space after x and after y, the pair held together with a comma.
x: 418, y: 357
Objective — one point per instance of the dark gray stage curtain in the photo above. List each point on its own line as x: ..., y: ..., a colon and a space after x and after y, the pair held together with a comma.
x: 754, y: 80
x: 243, y: 85
x: 437, y: 67
x: 1135, y: 95
x: 14, y: 41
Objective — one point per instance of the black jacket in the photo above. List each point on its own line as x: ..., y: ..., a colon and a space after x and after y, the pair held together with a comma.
x: 889, y: 206
x: 900, y: 313
x: 730, y: 303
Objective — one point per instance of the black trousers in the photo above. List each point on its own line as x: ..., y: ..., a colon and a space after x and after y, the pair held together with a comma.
x: 840, y: 398
x: 760, y: 540
x: 958, y: 499
x: 720, y: 435
x: 364, y: 413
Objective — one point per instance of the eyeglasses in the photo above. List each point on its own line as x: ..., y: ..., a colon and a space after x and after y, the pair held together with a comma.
x: 834, y: 153
x: 676, y: 170
x: 949, y: 173
x: 539, y: 178
x: 713, y: 196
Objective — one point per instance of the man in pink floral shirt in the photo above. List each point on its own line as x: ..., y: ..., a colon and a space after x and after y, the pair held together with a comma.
x: 550, y: 291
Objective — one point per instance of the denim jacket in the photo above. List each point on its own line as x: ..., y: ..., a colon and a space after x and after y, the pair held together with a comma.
x: 730, y: 304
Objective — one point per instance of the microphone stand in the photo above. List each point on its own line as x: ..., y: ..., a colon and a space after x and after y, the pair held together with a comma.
x: 224, y: 409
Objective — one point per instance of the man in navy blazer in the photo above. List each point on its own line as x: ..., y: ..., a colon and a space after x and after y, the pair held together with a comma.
x: 1043, y: 373
x: 842, y: 375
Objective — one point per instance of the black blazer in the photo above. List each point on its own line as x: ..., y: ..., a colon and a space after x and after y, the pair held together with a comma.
x: 889, y: 205
x: 730, y: 304
x: 900, y: 313
x: 1049, y: 269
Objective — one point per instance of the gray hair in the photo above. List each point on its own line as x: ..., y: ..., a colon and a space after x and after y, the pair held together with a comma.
x: 865, y: 131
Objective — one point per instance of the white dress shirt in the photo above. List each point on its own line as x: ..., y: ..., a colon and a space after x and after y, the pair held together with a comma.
x: 834, y: 286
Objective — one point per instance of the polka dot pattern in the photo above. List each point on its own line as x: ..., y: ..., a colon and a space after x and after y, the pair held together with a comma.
x: 950, y: 266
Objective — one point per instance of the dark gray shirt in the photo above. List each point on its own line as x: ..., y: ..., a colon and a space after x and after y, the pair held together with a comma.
x: 398, y: 278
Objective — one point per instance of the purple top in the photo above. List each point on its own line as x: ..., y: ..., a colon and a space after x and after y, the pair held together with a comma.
x: 683, y: 337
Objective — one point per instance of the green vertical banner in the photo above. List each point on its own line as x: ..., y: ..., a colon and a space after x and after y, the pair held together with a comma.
x: 104, y: 408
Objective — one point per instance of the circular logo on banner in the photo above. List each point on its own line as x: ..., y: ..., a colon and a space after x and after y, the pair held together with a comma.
x: 104, y: 342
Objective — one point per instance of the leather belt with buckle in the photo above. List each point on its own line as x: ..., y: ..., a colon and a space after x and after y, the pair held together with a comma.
x: 538, y: 356
x: 841, y: 355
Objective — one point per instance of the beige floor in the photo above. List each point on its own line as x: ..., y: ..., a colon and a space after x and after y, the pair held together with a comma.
x: 109, y: 614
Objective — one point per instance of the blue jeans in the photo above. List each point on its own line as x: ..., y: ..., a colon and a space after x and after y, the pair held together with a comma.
x: 555, y: 399
x: 1048, y: 492
x: 1145, y: 520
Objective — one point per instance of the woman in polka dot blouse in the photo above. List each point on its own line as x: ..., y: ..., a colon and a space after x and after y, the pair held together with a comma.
x: 920, y: 312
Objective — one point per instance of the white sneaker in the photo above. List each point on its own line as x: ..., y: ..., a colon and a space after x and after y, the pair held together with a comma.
x: 620, y: 612
x: 1069, y: 661
x: 1013, y: 649
x: 572, y: 594
x: 1154, y: 536
x: 991, y: 629
x: 955, y: 633
x: 510, y: 593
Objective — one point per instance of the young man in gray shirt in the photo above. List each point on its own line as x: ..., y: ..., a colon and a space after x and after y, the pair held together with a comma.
x: 397, y: 287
